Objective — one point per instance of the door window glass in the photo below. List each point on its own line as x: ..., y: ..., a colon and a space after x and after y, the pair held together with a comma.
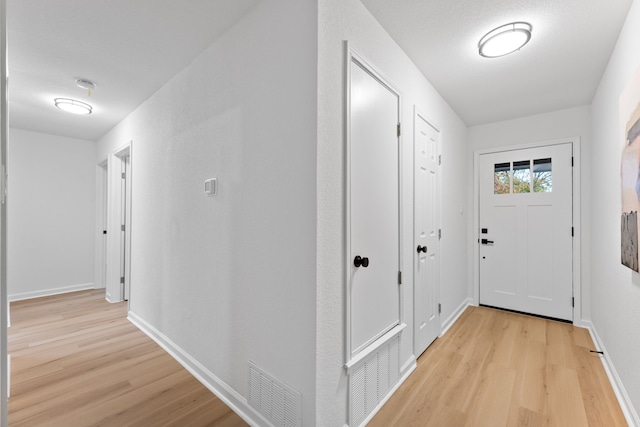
x: 522, y: 177
x: 542, y: 176
x: 502, y: 178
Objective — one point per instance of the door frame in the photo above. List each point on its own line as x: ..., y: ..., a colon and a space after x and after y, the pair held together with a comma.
x: 417, y: 113
x: 4, y: 138
x: 102, y: 179
x: 114, y: 290
x: 576, y: 244
x: 350, y: 359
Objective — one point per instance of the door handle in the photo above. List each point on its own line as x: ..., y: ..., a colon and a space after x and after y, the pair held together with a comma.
x: 422, y: 249
x: 486, y: 242
x: 360, y: 261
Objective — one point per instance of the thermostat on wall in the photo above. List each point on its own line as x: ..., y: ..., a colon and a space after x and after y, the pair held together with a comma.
x: 211, y: 186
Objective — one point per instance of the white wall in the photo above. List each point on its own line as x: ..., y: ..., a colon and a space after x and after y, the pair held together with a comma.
x: 615, y: 288
x: 232, y: 278
x: 341, y: 20
x: 51, y: 214
x: 572, y: 122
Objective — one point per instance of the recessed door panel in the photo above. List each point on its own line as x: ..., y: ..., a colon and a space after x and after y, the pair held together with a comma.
x: 426, y: 234
x: 374, y: 207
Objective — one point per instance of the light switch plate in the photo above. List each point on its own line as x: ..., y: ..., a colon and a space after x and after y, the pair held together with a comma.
x: 211, y: 186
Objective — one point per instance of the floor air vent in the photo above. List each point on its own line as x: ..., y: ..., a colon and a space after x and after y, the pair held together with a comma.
x: 278, y: 403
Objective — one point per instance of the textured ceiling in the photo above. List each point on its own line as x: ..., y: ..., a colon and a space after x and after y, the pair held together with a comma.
x: 560, y: 67
x: 129, y: 48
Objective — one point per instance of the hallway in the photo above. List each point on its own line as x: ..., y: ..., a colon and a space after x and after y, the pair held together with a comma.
x: 495, y: 368
x: 77, y: 361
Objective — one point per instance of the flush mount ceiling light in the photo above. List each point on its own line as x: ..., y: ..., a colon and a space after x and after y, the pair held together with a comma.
x: 85, y: 84
x: 73, y: 106
x: 504, y: 39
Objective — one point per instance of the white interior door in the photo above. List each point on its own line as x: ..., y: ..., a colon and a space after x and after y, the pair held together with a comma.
x: 374, y: 207
x: 118, y: 222
x: 123, y: 227
x: 526, y: 230
x: 426, y: 234
x: 126, y: 225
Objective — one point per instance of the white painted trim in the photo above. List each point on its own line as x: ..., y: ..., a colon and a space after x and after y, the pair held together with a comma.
x: 52, y: 291
x: 373, y: 347
x: 577, y: 238
x: 114, y: 289
x: 453, y: 318
x: 630, y: 413
x: 4, y: 137
x: 351, y: 55
x: 388, y: 396
x: 409, y: 363
x: 223, y: 391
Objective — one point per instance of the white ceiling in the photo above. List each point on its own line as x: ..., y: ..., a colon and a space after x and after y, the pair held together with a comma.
x: 561, y: 66
x: 129, y: 48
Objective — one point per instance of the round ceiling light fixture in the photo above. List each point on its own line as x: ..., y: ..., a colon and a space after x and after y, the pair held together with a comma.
x: 505, y: 39
x: 85, y: 84
x: 73, y: 106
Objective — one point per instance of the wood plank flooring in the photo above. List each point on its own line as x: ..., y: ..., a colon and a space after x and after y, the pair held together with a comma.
x: 77, y: 361
x: 495, y: 368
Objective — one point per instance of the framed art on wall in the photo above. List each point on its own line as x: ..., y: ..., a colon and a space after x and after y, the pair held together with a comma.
x: 630, y: 173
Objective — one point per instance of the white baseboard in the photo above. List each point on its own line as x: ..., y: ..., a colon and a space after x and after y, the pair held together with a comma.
x: 410, y: 363
x: 448, y: 323
x: 223, y: 391
x: 49, y: 292
x: 391, y: 392
x: 628, y: 410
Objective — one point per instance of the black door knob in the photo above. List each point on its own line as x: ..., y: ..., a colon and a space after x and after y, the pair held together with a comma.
x: 422, y: 249
x: 359, y: 261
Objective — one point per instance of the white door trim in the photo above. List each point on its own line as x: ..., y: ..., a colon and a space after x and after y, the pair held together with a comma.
x: 114, y: 290
x: 352, y: 55
x: 577, y: 287
x: 4, y: 137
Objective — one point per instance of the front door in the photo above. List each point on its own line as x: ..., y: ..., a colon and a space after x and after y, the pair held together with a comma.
x: 426, y: 234
x: 526, y: 230
x: 374, y: 207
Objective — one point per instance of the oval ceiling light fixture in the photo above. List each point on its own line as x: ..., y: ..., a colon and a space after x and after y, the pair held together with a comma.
x: 504, y: 39
x: 73, y: 106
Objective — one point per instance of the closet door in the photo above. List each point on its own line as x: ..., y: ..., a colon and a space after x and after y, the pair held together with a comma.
x: 373, y: 212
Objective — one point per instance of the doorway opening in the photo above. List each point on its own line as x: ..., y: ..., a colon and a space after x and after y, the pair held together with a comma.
x: 527, y: 228
x: 117, y: 241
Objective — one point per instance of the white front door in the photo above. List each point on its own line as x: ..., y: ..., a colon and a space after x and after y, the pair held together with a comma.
x: 526, y: 230
x: 374, y: 207
x: 426, y: 234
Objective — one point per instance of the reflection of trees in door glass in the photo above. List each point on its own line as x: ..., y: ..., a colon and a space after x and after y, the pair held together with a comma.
x: 522, y: 177
x: 542, y: 176
x: 501, y: 179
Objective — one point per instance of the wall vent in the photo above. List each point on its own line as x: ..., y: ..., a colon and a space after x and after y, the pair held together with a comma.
x: 278, y: 403
x: 372, y: 379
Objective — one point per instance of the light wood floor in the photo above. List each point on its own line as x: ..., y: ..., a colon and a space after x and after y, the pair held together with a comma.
x: 495, y: 368
x: 76, y: 361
